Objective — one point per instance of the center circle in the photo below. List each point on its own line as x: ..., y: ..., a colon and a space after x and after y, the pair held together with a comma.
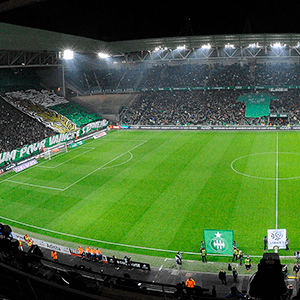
x: 268, y: 165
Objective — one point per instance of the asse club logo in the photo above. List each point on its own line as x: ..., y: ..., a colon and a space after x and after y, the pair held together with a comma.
x: 218, y: 241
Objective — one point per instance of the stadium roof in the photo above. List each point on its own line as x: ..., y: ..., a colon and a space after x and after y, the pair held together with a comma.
x: 20, y: 38
x: 238, y: 40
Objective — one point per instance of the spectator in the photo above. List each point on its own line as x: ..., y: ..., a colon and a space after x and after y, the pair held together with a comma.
x: 290, y: 289
x: 241, y: 256
x: 235, y: 275
x: 178, y: 260
x: 214, y: 292
x: 222, y: 277
x: 190, y: 284
x: 20, y: 245
x: 248, y: 263
x: 287, y: 242
x: 234, y: 293
x: 296, y: 270
x: 54, y: 255
x: 98, y: 255
x: 204, y: 255
x: 18, y: 129
x: 80, y: 251
x: 265, y: 240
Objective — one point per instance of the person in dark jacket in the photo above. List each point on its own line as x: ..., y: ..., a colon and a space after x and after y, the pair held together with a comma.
x: 235, y: 275
x: 234, y: 293
x: 265, y: 243
x: 222, y: 277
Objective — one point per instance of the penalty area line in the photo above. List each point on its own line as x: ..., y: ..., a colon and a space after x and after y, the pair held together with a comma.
x: 87, y: 175
x: 103, y: 166
x: 34, y: 185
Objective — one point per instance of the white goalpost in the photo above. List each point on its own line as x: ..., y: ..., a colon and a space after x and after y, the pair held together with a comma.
x: 57, y: 149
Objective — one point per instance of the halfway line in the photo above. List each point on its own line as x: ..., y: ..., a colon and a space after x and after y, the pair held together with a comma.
x: 276, y: 181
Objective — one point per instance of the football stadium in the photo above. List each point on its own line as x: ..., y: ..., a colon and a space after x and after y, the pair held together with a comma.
x: 148, y: 150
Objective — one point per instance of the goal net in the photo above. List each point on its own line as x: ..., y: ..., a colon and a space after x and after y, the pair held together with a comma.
x: 59, y: 148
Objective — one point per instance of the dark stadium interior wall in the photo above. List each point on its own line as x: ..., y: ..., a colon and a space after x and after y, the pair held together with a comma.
x: 51, y: 79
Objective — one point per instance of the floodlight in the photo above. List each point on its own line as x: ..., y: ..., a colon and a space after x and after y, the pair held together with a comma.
x: 297, y: 46
x: 229, y: 46
x: 278, y: 45
x: 254, y: 45
x: 207, y: 46
x: 160, y: 48
x: 68, y: 54
x: 103, y: 55
x: 181, y: 47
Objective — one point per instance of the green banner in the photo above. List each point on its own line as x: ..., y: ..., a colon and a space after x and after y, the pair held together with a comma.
x: 257, y: 105
x: 35, y: 148
x: 218, y: 241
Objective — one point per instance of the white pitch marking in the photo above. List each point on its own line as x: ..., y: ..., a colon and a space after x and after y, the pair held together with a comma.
x: 112, y: 243
x: 263, y: 178
x: 58, y: 165
x: 35, y: 185
x: 277, y: 181
x: 63, y: 189
x: 87, y: 175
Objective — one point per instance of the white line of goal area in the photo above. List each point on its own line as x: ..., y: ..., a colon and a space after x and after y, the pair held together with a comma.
x: 83, y: 177
x: 41, y: 165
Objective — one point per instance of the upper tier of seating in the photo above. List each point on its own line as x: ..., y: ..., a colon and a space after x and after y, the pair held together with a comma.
x: 185, y: 76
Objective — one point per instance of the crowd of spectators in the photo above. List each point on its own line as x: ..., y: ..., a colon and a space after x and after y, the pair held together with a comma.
x: 184, y: 107
x: 186, y: 75
x: 207, y: 108
x: 157, y: 105
x: 18, y: 129
x: 32, y: 107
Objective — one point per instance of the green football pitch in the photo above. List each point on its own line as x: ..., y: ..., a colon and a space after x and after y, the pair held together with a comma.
x: 148, y: 191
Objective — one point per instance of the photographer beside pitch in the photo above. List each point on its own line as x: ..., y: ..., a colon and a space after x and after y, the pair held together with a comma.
x: 178, y: 260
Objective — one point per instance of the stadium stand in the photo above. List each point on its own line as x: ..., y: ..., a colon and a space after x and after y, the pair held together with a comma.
x: 206, y: 107
x: 43, y: 97
x: 18, y: 129
x: 75, y: 113
x: 195, y: 94
x: 189, y: 75
x: 43, y: 114
x: 156, y: 98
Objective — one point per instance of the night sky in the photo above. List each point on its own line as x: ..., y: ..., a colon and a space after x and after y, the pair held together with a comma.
x: 112, y: 21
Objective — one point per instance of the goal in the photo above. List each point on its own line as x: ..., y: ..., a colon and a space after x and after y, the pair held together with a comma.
x: 59, y: 148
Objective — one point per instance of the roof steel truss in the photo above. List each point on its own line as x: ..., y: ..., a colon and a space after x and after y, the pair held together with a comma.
x: 31, y: 59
